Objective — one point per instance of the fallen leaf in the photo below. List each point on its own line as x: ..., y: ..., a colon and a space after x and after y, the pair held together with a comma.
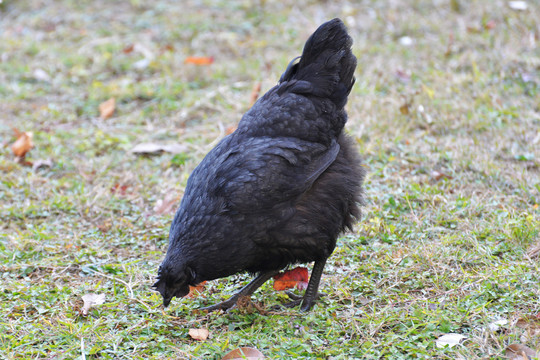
x: 437, y: 175
x: 128, y: 49
x: 518, y: 5
x: 520, y: 352
x: 194, y: 291
x: 199, y: 60
x: 119, y: 189
x: 167, y: 204
x: 23, y: 144
x: 91, y: 300
x: 244, y: 353
x: 154, y: 149
x: 529, y: 323
x: 255, y: 91
x: 287, y: 280
x: 230, y: 129
x: 451, y: 340
x: 106, y: 109
x: 199, y: 334
x: 168, y: 47
x: 496, y: 325
x: 404, y: 109
x: 41, y: 75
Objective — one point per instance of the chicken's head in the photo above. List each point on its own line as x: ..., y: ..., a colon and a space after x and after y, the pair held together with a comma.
x: 173, y: 280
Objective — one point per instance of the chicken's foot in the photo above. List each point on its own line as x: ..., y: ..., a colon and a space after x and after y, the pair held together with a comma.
x: 311, y: 293
x: 245, y: 291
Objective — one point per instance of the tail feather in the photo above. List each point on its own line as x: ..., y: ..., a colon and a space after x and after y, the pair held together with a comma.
x: 326, y: 66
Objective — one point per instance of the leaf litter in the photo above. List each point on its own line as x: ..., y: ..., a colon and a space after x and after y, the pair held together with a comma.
x: 199, y: 334
x: 244, y: 353
x: 289, y: 279
x: 106, y: 108
x: 91, y: 300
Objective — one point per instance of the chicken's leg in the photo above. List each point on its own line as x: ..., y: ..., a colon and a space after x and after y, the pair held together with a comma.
x: 313, y: 286
x: 245, y: 291
x: 311, y: 293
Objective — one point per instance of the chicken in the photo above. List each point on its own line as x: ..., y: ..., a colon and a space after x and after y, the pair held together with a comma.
x: 280, y: 189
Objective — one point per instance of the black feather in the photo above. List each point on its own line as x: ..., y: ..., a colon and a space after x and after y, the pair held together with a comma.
x: 282, y: 187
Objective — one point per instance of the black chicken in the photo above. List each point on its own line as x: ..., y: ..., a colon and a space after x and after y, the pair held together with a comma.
x: 281, y: 188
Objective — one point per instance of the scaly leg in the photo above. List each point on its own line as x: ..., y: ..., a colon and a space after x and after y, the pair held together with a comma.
x: 311, y: 293
x: 245, y: 291
x: 313, y: 286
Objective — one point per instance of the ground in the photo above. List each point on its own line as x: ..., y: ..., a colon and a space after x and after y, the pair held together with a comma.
x: 445, y: 112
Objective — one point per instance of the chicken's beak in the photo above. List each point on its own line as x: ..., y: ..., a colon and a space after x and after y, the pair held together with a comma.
x: 159, y: 287
x: 166, y: 301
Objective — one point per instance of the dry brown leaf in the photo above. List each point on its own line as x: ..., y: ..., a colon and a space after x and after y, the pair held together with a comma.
x: 194, y: 291
x: 255, y: 91
x: 106, y: 109
x: 520, y: 352
x: 230, y: 129
x: 437, y: 175
x: 404, y: 109
x: 244, y: 353
x: 167, y: 204
x: 23, y: 144
x: 168, y: 47
x: 128, y: 49
x: 199, y: 60
x: 199, y: 334
x: 529, y: 323
x: 91, y: 300
x: 287, y: 280
x: 119, y: 189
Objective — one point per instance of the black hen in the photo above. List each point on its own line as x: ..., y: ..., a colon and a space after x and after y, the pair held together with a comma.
x: 281, y: 188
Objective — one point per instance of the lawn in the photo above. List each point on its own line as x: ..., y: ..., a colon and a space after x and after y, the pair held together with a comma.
x: 446, y: 114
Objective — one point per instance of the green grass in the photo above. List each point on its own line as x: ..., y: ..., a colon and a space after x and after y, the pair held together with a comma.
x: 453, y: 183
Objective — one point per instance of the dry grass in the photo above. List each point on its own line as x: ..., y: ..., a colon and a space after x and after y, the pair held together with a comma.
x: 446, y: 114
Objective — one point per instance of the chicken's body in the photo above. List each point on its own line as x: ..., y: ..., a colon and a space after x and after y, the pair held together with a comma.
x: 281, y: 188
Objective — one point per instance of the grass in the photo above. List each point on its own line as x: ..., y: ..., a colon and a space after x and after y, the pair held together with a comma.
x: 448, y: 126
